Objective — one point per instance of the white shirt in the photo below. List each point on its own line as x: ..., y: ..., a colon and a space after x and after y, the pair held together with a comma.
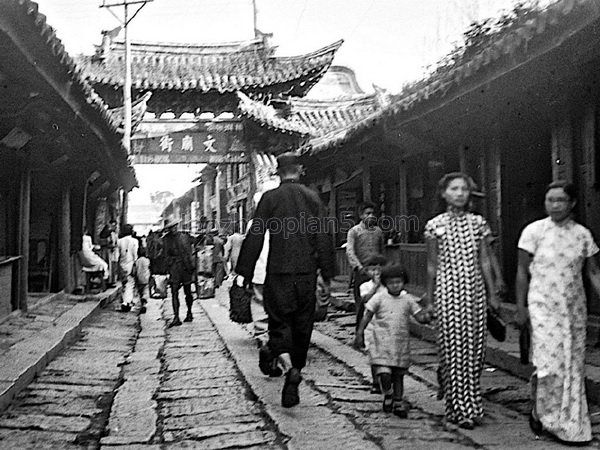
x: 260, y: 269
x: 128, y: 253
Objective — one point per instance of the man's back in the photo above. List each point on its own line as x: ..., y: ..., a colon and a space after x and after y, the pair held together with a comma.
x: 128, y: 248
x: 298, y: 243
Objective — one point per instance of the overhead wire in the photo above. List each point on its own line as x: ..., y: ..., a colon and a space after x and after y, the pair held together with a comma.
x: 300, y: 19
x: 361, y: 20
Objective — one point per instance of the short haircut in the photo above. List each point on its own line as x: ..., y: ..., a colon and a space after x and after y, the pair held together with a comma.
x: 364, y: 205
x: 566, y: 186
x: 375, y: 260
x: 127, y: 230
x: 394, y: 271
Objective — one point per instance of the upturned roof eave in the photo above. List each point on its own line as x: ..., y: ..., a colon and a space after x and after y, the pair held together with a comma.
x: 311, y: 68
x: 30, y: 32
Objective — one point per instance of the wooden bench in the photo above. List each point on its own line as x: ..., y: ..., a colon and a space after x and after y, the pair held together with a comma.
x: 94, y: 280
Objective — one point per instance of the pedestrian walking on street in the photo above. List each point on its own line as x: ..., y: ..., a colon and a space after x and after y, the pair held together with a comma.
x: 553, y: 254
x: 257, y: 306
x: 233, y: 247
x: 127, y: 247
x: 365, y: 239
x: 180, y: 266
x: 298, y: 247
x: 461, y: 286
x: 368, y: 289
x: 389, y: 311
x: 142, y: 278
x: 218, y: 257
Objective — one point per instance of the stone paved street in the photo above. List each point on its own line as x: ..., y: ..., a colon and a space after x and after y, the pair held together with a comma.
x: 67, y: 405
x: 132, y: 383
x: 182, y: 390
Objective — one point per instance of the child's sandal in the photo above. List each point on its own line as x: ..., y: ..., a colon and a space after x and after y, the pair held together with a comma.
x: 388, y: 403
x: 375, y: 389
x: 400, y: 409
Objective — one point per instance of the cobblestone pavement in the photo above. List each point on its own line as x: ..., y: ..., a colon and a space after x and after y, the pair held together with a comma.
x: 67, y: 405
x: 354, y: 418
x: 131, y: 383
x: 183, y: 390
x: 505, y: 396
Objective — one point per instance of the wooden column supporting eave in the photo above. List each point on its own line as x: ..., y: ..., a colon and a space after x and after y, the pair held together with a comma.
x: 402, y: 189
x: 64, y: 242
x: 366, y: 183
x: 24, y: 232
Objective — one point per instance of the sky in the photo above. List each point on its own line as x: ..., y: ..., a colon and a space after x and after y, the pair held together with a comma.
x: 386, y: 42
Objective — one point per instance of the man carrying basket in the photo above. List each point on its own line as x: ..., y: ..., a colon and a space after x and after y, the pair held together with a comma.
x: 298, y: 247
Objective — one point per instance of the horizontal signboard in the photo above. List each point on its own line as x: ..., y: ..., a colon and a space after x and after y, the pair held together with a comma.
x: 190, y: 159
x: 189, y: 141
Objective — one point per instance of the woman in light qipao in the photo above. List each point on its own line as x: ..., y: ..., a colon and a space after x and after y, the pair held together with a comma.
x: 553, y: 254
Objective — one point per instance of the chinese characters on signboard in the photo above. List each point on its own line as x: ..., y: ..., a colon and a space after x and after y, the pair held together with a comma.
x: 201, y: 142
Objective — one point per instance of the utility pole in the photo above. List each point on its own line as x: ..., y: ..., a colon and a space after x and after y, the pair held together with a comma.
x: 254, y: 15
x: 127, y: 85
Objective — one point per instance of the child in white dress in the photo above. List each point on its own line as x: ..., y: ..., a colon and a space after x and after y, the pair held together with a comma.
x: 389, y: 313
x: 372, y: 266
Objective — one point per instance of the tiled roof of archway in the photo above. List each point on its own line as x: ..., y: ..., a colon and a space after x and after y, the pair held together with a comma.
x: 221, y: 67
x: 325, y: 123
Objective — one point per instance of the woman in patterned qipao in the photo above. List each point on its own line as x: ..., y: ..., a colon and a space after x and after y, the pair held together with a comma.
x: 553, y: 253
x: 458, y: 276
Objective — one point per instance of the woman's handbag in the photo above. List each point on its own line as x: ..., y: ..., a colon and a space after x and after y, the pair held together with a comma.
x: 524, y: 343
x: 496, y: 326
x: 239, y: 303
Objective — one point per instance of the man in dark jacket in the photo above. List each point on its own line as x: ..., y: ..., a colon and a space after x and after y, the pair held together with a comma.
x: 177, y: 249
x: 298, y: 246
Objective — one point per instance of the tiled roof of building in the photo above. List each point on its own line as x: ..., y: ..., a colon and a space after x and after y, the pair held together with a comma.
x: 138, y: 109
x: 93, y: 104
x: 325, y: 123
x: 220, y: 67
x: 267, y: 116
x: 547, y: 29
x: 333, y: 125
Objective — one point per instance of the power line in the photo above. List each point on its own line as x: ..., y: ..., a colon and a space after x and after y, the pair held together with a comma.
x: 300, y: 18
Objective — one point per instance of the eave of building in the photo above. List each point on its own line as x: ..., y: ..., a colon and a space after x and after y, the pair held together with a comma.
x: 512, y: 51
x: 36, y: 48
x: 269, y: 117
x: 138, y: 109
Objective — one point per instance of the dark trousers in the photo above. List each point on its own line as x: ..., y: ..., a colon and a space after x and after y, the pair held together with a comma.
x: 289, y: 301
x: 189, y: 300
x: 358, y: 278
